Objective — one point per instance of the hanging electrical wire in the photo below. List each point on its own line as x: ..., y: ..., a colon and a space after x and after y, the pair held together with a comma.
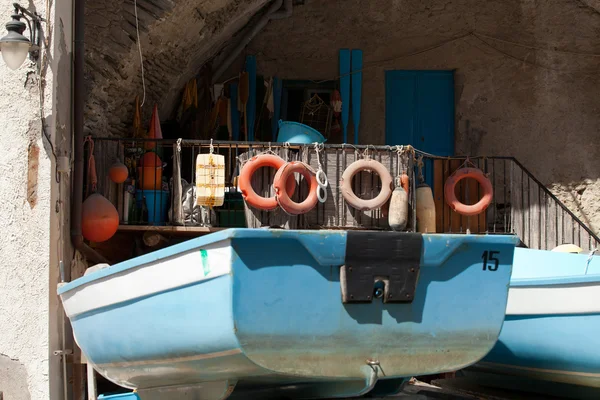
x: 478, y: 36
x: 576, y: 53
x: 137, y: 31
x: 520, y: 60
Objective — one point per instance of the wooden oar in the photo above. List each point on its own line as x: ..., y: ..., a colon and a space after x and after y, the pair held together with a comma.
x: 357, y: 66
x: 244, y: 91
x: 345, y: 89
x: 229, y: 127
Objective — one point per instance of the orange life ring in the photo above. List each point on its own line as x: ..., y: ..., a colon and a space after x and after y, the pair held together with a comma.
x: 486, y: 187
x: 283, y: 198
x: 366, y: 165
x: 245, y: 181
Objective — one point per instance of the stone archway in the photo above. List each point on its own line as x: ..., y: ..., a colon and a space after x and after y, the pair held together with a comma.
x: 177, y: 38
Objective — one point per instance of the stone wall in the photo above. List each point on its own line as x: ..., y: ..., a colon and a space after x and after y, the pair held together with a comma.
x: 525, y: 74
x: 177, y: 38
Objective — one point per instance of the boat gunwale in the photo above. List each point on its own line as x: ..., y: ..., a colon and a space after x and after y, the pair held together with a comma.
x: 567, y: 280
x: 255, y: 233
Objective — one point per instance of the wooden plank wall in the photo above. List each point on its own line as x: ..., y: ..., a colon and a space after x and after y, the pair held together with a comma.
x: 335, y: 212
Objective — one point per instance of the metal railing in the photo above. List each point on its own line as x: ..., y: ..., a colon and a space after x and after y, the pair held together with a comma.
x: 521, y: 204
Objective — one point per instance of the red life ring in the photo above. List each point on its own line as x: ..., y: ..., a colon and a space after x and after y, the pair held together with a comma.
x: 245, y: 181
x: 486, y: 187
x: 283, y: 198
x: 366, y: 165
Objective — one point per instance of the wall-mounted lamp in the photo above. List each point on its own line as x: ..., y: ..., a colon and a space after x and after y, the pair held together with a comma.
x: 14, y: 46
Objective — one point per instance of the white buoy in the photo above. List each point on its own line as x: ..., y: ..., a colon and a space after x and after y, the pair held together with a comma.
x: 568, y: 248
x: 425, y: 209
x: 398, y: 210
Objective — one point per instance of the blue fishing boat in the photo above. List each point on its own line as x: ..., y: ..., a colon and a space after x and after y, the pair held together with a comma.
x: 552, y: 320
x: 310, y: 314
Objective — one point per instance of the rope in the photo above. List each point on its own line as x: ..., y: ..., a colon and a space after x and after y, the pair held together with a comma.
x: 420, y: 165
x: 576, y: 53
x: 319, y: 147
x: 92, y: 176
x: 351, y: 145
x: 357, y: 153
x: 366, y: 154
x: 589, y: 259
x: 137, y: 30
x: 466, y: 163
x: 320, y: 174
x: 269, y: 150
x: 402, y: 153
x: 311, y: 107
x: 286, y: 150
x: 286, y: 147
x: 423, y: 153
x: 399, y: 150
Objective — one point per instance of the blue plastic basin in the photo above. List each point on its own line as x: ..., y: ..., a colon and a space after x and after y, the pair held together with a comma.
x: 295, y: 132
x: 157, y: 203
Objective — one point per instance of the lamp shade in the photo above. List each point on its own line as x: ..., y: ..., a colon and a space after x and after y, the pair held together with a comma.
x: 14, y: 53
x: 14, y: 45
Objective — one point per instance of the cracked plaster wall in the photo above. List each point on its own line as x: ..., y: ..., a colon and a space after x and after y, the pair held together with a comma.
x: 29, y: 312
x: 13, y: 379
x: 25, y: 224
x: 540, y: 106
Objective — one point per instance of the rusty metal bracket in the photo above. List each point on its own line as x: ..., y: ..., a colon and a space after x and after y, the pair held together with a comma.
x: 381, y: 265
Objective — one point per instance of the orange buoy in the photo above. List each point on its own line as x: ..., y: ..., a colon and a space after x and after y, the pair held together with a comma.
x: 486, y: 188
x: 366, y: 165
x: 155, y: 131
x: 100, y: 219
x: 150, y: 171
x: 118, y: 172
x: 404, y: 182
x: 150, y: 159
x: 245, y: 181
x: 283, y: 199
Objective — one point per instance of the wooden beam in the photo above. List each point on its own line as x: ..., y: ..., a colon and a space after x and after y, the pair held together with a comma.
x: 91, y: 383
x: 168, y: 229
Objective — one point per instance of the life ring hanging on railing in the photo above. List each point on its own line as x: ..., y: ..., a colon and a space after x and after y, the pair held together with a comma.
x: 245, y: 181
x: 284, y: 199
x: 366, y: 165
x: 486, y: 188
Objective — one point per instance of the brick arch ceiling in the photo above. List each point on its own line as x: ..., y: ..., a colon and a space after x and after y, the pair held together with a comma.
x: 177, y: 38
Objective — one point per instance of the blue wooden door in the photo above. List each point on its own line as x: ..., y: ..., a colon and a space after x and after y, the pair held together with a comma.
x: 419, y: 110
